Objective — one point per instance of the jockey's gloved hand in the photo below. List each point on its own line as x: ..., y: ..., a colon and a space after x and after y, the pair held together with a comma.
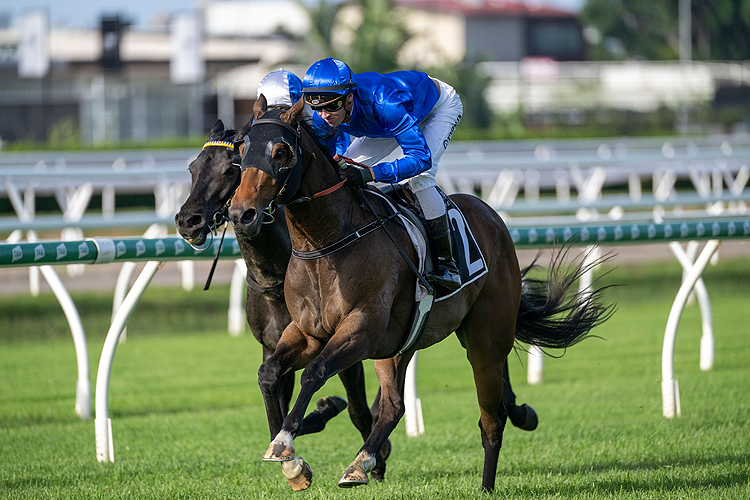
x: 355, y: 176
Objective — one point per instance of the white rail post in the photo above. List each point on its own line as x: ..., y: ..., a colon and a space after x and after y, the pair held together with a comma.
x: 669, y: 390
x: 74, y: 202
x: 102, y: 423
x: 236, y: 321
x: 187, y: 272
x: 691, y: 250
x: 535, y: 373
x: 24, y: 206
x: 29, y: 206
x: 707, y: 337
x: 83, y: 386
x: 592, y: 253
x: 126, y: 272
x: 413, y: 413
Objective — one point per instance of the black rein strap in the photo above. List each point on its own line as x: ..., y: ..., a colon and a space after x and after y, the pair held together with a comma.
x: 421, y: 278
x: 344, y: 242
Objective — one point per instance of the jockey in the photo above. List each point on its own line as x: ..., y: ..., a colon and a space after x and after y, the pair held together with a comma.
x: 283, y: 88
x: 406, y: 112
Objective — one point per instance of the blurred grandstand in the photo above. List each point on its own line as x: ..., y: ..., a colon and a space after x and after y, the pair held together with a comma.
x: 134, y: 83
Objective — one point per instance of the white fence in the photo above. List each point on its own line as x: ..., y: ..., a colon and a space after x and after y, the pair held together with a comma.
x: 546, y: 85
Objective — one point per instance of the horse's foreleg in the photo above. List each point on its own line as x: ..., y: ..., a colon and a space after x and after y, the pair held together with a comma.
x: 353, y: 379
x: 341, y: 352
x: 292, y: 351
x: 391, y: 374
x: 363, y: 417
x: 285, y: 387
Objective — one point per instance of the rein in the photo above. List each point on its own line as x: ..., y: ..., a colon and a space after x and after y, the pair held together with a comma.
x: 343, y: 242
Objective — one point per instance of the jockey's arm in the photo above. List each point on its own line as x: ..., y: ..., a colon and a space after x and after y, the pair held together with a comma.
x: 342, y: 142
x: 417, y: 157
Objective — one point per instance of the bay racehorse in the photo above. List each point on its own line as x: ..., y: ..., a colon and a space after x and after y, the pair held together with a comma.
x: 215, y: 176
x: 356, y: 303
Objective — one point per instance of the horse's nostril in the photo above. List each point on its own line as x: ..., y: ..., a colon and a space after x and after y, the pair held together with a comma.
x: 195, y: 220
x: 249, y: 216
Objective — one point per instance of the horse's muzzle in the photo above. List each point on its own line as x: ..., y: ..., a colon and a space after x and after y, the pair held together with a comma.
x: 191, y: 226
x: 247, y: 222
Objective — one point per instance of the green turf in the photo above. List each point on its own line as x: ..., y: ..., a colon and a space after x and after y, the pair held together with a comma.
x: 188, y: 419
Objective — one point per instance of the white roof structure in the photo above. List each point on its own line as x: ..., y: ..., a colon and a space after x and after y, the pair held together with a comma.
x: 254, y: 18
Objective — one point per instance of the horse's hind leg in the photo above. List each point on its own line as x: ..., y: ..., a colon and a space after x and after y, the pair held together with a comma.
x: 524, y: 416
x: 489, y: 332
x: 488, y: 374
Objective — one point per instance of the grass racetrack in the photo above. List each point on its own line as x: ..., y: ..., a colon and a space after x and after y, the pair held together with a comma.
x: 188, y: 419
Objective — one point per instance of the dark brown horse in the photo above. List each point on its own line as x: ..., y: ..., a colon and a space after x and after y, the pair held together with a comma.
x: 215, y: 176
x: 356, y: 303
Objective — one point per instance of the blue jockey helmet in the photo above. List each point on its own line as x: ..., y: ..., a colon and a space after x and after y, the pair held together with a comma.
x: 326, y: 81
x: 280, y: 88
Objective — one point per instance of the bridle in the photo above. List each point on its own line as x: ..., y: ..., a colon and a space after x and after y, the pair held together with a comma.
x: 260, y: 143
x: 220, y: 217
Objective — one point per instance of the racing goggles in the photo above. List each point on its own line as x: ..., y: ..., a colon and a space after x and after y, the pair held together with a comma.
x: 325, y: 102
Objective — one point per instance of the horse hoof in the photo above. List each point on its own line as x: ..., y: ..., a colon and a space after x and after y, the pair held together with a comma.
x: 336, y: 402
x: 352, y: 477
x: 298, y: 473
x: 531, y: 421
x: 279, y: 452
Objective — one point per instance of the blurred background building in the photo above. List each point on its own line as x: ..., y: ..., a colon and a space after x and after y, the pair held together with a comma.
x: 517, y: 64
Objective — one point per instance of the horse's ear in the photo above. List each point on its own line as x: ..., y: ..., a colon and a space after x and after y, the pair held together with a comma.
x: 239, y: 138
x: 260, y: 106
x: 293, y: 114
x: 241, y: 133
x: 217, y: 129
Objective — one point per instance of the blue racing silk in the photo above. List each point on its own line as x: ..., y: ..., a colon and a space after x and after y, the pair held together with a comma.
x: 393, y: 105
x: 333, y: 140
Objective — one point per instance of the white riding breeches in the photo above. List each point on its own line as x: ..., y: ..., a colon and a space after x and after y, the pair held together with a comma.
x: 437, y: 127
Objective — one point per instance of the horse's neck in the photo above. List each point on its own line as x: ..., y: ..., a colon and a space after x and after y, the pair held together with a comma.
x: 267, y: 254
x: 324, y: 220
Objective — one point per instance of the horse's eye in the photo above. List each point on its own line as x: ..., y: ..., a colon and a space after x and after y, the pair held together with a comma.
x: 280, y: 154
x: 231, y: 170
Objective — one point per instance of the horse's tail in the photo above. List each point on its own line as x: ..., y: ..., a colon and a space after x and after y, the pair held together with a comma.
x: 551, y: 314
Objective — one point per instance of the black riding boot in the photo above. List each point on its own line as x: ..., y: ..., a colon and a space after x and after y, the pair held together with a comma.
x: 446, y: 274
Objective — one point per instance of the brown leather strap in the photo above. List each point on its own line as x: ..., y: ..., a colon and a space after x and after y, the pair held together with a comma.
x: 329, y: 190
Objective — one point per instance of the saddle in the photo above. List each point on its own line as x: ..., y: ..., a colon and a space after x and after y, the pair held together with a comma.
x: 466, y: 252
